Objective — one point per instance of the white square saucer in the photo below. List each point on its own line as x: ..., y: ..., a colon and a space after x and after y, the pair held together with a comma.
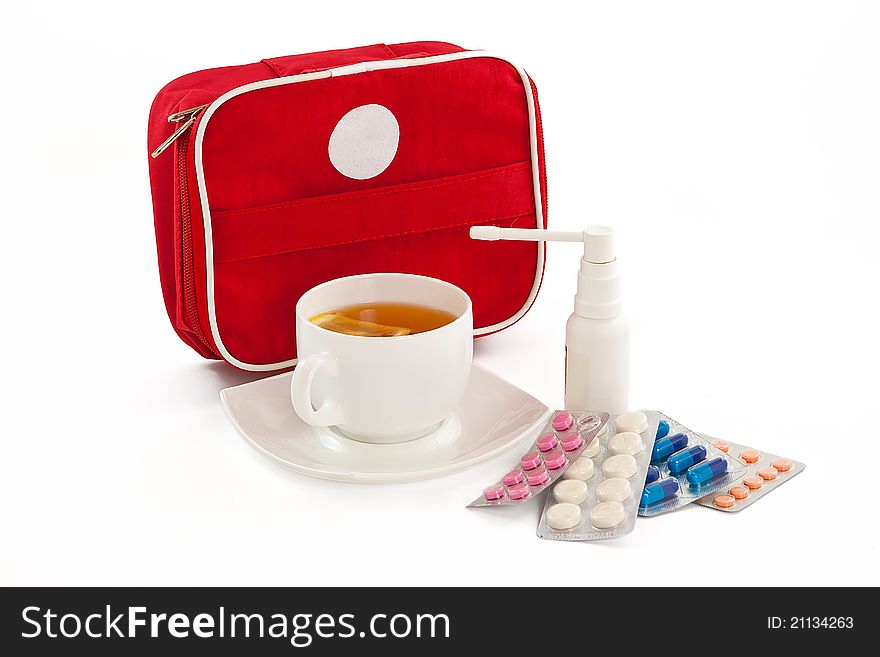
x: 492, y: 416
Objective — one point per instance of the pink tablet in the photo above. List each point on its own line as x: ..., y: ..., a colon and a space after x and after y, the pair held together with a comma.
x: 562, y: 421
x: 554, y: 460
x: 494, y: 493
x: 513, y: 477
x: 547, y: 442
x: 519, y: 492
x: 537, y: 477
x: 571, y: 442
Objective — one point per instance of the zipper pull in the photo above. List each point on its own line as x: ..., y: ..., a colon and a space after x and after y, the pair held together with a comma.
x: 186, y: 118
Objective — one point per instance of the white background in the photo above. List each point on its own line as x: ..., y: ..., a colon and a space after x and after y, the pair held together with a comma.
x: 736, y: 148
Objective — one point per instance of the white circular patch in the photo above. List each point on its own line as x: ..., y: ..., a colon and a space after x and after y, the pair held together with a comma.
x: 364, y: 142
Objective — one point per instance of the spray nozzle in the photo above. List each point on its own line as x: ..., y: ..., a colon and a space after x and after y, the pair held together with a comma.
x: 598, y: 240
x: 598, y: 293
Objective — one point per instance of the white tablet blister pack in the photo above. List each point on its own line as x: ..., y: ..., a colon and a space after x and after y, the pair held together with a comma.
x: 598, y: 495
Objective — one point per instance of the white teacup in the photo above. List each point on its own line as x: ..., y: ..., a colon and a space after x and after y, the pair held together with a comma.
x: 381, y: 389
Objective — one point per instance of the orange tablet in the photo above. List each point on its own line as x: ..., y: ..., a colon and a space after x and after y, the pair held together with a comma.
x: 753, y: 483
x: 782, y: 465
x: 767, y: 474
x: 724, y: 501
x: 750, y: 455
x: 723, y: 445
x: 739, y: 492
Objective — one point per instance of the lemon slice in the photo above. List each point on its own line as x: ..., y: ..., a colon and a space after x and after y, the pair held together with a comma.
x: 339, y: 323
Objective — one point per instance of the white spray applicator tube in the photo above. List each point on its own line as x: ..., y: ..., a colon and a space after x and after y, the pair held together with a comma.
x: 597, y: 332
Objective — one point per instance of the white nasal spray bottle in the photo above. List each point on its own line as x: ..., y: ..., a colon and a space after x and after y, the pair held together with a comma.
x: 597, y: 333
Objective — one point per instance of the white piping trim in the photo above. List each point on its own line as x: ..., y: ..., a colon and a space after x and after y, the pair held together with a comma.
x: 352, y: 70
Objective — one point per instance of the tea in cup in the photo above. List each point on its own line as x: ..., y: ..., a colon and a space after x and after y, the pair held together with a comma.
x: 383, y: 358
x: 383, y: 319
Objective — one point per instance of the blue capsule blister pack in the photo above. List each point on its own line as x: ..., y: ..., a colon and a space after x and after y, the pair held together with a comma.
x: 685, y: 467
x: 598, y: 495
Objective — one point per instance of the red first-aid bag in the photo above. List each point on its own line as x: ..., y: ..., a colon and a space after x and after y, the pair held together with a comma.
x: 273, y: 177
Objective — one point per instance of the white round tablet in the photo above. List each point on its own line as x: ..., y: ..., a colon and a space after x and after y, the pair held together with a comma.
x: 572, y: 491
x: 619, y: 465
x: 582, y: 469
x: 614, y: 490
x: 593, y: 448
x: 606, y: 515
x: 564, y: 516
x: 633, y: 421
x: 627, y: 442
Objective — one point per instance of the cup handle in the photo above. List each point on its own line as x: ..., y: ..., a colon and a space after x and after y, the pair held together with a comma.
x: 329, y: 413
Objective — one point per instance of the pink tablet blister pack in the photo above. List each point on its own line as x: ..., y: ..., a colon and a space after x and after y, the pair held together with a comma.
x: 559, y: 443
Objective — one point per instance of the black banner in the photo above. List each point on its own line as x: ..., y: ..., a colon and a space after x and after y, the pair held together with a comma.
x: 102, y: 621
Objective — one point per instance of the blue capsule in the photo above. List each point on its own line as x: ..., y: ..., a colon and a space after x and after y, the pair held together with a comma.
x: 666, y: 446
x: 681, y: 461
x: 653, y: 474
x: 703, y: 472
x: 662, y: 430
x: 659, y: 491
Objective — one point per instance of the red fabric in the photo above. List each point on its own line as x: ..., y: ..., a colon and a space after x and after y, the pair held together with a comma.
x: 188, y: 91
x: 319, y: 61
x: 284, y: 220
x: 458, y: 117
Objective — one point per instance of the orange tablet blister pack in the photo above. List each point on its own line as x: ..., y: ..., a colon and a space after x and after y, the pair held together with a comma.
x: 764, y: 473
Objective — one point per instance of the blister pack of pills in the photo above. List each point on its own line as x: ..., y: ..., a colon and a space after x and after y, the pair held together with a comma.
x: 598, y: 496
x: 764, y: 472
x: 559, y: 443
x: 687, y: 466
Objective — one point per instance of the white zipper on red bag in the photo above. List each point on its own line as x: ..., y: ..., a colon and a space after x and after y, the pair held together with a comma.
x: 187, y: 119
x: 189, y: 278
x: 540, y: 148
